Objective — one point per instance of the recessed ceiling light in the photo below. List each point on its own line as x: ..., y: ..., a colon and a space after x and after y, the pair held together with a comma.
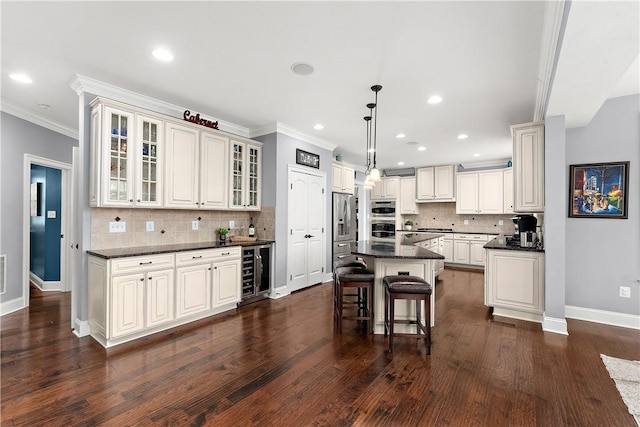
x: 476, y: 155
x: 422, y: 148
x: 463, y: 136
x: 318, y: 127
x: 302, y: 68
x: 45, y: 106
x: 400, y: 135
x: 22, y: 78
x: 435, y: 99
x: 400, y: 163
x: 412, y: 142
x: 162, y: 54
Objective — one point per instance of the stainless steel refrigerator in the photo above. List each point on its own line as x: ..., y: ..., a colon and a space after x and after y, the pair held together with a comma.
x: 345, y: 225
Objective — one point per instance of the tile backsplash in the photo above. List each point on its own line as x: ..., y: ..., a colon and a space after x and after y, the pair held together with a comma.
x: 176, y: 225
x: 443, y: 215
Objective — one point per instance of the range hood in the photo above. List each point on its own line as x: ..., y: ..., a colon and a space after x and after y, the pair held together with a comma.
x: 400, y: 172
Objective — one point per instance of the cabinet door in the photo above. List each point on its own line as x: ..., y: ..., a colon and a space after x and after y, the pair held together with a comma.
x: 476, y: 253
x: 391, y: 188
x: 528, y: 167
x: 461, y: 252
x: 214, y: 172
x: 96, y: 170
x: 515, y: 280
x: 348, y: 180
x: 408, y: 196
x: 226, y: 283
x: 193, y: 289
x: 443, y: 182
x: 181, y: 167
x: 246, y: 179
x: 253, y: 178
x: 467, y: 197
x: 507, y: 179
x: 425, y: 183
x: 117, y: 187
x: 149, y: 160
x: 490, y: 192
x: 159, y: 297
x: 336, y: 178
x: 127, y: 304
x: 448, y: 250
x: 377, y: 192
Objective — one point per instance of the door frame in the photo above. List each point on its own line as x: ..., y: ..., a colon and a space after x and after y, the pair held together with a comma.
x: 319, y: 174
x: 65, y: 218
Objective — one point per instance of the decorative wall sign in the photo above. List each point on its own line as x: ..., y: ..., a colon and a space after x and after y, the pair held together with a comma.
x: 198, y: 120
x: 599, y: 190
x: 307, y: 159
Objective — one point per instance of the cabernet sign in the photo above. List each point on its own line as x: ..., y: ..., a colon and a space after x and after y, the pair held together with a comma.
x: 198, y: 120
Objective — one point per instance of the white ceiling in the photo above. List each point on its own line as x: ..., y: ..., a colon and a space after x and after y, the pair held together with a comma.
x: 232, y: 62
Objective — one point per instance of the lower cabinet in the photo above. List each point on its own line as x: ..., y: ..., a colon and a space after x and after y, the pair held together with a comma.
x: 514, y: 283
x: 136, y: 296
x: 469, y: 248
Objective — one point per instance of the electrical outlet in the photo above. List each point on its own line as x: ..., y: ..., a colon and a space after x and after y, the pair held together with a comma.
x: 231, y: 224
x: 500, y: 222
x: 466, y: 222
x: 194, y: 225
x: 624, y: 292
x: 150, y: 225
x: 117, y: 227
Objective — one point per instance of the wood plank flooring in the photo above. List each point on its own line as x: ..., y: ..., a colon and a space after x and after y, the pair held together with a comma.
x: 280, y: 363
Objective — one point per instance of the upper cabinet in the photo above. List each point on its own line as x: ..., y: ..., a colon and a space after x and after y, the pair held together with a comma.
x: 507, y: 181
x: 480, y: 192
x: 343, y: 179
x: 528, y: 167
x: 387, y: 189
x: 435, y: 184
x: 246, y: 182
x: 407, y: 200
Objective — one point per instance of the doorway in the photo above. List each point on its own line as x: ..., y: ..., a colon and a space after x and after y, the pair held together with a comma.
x: 62, y: 215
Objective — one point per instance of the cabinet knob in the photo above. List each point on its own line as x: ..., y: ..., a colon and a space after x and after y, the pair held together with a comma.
x: 142, y: 279
x: 138, y: 200
x: 150, y: 278
x: 131, y: 200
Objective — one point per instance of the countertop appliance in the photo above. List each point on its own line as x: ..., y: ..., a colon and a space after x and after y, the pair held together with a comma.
x: 256, y: 273
x: 345, y: 225
x: 524, y: 223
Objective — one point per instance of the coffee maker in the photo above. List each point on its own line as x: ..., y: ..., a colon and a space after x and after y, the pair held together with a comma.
x: 525, y: 231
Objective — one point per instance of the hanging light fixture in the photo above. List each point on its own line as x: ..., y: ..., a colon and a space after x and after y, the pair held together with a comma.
x: 368, y: 184
x: 375, y: 173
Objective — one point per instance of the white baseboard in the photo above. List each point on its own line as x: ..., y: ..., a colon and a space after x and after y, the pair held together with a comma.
x: 43, y: 285
x: 612, y: 318
x: 280, y: 292
x: 555, y: 325
x: 328, y: 277
x: 11, y: 306
x: 81, y: 328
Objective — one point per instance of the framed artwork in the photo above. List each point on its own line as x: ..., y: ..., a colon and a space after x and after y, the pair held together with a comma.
x: 599, y: 190
x: 307, y: 159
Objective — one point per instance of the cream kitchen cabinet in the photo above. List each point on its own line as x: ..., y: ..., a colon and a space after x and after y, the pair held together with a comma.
x: 447, y: 250
x: 227, y: 286
x: 435, y: 183
x: 407, y: 197
x: 196, y: 169
x: 129, y: 296
x: 468, y: 248
x: 246, y: 175
x: 528, y: 167
x: 514, y: 283
x: 435, y: 245
x: 343, y: 179
x: 126, y: 157
x: 507, y: 180
x: 480, y: 192
x: 387, y: 189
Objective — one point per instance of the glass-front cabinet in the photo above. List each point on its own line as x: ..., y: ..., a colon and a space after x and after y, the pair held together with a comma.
x: 117, y: 190
x: 246, y: 159
x: 149, y: 166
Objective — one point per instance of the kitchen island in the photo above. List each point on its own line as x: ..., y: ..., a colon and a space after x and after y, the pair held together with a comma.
x: 404, y: 256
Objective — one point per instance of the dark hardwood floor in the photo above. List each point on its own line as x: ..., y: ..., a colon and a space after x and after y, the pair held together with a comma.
x: 280, y: 363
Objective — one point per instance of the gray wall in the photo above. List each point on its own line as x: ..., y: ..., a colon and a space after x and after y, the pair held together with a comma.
x: 20, y: 137
x: 602, y: 254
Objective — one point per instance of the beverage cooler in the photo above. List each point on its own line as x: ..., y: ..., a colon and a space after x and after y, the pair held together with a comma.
x: 256, y: 273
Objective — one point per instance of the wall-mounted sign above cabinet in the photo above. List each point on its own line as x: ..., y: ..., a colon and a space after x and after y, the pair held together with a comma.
x: 199, y: 120
x: 307, y: 159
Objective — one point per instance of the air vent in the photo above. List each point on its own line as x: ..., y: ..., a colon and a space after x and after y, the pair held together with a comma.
x: 400, y: 172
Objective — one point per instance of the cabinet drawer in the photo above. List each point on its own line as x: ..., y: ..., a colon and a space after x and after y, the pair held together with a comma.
x: 127, y: 265
x: 207, y: 254
x: 476, y: 237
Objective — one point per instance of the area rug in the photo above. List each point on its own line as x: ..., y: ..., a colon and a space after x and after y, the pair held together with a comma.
x: 626, y: 375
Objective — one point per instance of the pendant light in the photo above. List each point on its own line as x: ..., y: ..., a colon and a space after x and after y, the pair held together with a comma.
x: 375, y: 173
x: 368, y: 184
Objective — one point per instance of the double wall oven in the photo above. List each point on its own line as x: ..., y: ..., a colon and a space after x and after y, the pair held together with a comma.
x: 383, y: 220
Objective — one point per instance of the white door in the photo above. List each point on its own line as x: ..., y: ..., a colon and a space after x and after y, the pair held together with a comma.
x: 306, y: 255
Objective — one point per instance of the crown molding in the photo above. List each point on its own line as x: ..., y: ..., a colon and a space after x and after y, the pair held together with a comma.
x: 279, y: 127
x: 81, y: 84
x: 555, y: 14
x: 38, y: 120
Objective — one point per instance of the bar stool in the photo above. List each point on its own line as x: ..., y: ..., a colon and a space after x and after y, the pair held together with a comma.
x: 348, y: 261
x: 362, y: 280
x: 407, y: 288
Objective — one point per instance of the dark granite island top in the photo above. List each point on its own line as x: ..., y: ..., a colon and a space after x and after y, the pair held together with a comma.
x: 163, y: 249
x: 403, y: 248
x: 505, y: 242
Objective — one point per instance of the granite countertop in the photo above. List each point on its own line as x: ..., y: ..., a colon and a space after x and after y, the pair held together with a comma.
x: 396, y: 250
x: 411, y: 238
x: 180, y: 247
x: 503, y: 242
x: 447, y: 232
